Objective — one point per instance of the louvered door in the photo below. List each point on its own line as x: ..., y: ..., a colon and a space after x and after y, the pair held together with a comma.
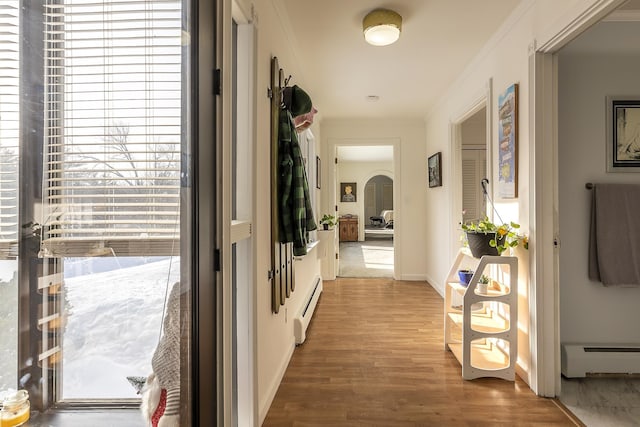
x: 474, y: 166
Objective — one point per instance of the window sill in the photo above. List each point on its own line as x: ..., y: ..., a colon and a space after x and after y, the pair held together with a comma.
x: 87, y: 417
x: 310, y: 247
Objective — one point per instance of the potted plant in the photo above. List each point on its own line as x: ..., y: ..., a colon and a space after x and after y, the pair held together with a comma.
x: 487, y: 238
x: 328, y: 221
x: 483, y: 284
x: 465, y: 277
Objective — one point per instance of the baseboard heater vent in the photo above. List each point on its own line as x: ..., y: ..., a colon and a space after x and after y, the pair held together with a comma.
x: 301, y: 321
x: 580, y: 360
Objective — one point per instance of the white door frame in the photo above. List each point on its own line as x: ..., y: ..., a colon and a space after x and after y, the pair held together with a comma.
x: 334, y: 143
x: 544, y: 336
x: 482, y: 100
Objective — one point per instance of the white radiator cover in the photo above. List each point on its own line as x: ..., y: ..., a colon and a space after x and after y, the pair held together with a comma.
x: 302, y: 319
x: 578, y: 360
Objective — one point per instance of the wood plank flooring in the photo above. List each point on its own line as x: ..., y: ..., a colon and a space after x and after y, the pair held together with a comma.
x: 374, y: 356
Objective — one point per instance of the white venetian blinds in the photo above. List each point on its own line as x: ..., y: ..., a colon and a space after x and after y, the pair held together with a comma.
x: 9, y: 126
x: 112, y: 126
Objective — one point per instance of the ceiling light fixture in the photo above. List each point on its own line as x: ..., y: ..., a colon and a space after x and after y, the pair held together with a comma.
x: 382, y: 27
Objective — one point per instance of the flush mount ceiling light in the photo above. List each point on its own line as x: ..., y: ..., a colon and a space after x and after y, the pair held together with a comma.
x: 382, y: 27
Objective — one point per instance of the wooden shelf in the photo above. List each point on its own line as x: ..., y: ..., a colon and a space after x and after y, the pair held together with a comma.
x: 488, y: 322
x: 483, y: 356
x: 456, y: 286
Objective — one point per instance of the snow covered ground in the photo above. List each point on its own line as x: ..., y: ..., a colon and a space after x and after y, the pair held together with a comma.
x: 113, y: 325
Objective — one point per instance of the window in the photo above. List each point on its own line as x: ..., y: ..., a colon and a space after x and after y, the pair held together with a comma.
x: 111, y: 184
x: 9, y: 129
x: 102, y: 193
x: 308, y: 147
x: 112, y: 130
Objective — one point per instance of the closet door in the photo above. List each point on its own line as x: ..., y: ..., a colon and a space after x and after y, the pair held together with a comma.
x: 474, y: 166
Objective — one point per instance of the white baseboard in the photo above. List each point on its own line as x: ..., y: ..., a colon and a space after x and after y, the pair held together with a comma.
x: 266, y: 402
x: 435, y: 284
x: 413, y: 277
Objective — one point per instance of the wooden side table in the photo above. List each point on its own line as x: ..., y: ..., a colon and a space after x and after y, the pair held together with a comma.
x: 348, y: 228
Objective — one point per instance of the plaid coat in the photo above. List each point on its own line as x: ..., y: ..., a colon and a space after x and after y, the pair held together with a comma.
x: 296, y: 215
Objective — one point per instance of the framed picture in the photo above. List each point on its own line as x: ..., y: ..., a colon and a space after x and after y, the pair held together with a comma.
x: 347, y: 192
x: 508, y: 143
x: 435, y: 171
x: 318, y: 171
x: 623, y: 134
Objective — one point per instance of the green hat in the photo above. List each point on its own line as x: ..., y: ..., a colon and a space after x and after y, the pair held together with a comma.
x: 297, y: 100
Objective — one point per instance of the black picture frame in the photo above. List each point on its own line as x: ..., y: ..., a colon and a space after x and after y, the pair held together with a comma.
x: 623, y: 133
x: 348, y: 192
x: 434, y: 170
x: 318, y: 173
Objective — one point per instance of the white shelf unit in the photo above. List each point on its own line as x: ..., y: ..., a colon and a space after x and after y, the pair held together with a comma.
x: 479, y: 330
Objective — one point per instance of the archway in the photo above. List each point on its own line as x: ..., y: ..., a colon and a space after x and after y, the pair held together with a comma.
x: 378, y: 206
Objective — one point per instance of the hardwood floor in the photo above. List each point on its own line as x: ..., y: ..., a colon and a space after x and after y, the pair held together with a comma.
x: 374, y: 356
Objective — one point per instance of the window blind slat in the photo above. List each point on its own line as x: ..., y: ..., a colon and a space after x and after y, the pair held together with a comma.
x: 9, y: 126
x: 113, y: 127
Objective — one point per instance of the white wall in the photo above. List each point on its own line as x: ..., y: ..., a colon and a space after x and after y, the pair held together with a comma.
x: 474, y: 130
x: 410, y: 180
x: 427, y: 229
x: 275, y: 343
x: 360, y: 173
x: 503, y: 61
x: 590, y: 312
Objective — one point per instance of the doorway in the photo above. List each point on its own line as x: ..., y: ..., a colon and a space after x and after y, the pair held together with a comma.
x: 594, y: 386
x: 473, y: 143
x: 365, y: 212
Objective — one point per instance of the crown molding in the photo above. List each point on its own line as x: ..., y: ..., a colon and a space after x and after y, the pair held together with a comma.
x: 623, y: 15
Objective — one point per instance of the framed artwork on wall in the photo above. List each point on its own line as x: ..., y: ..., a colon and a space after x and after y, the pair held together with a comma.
x: 508, y: 143
x: 435, y: 170
x: 347, y: 192
x: 318, y: 171
x: 623, y: 134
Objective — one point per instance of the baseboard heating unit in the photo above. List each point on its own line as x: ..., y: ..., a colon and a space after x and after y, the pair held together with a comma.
x: 580, y: 360
x: 301, y: 321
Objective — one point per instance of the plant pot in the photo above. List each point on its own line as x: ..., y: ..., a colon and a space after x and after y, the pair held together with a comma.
x: 465, y: 277
x: 325, y: 226
x: 479, y: 244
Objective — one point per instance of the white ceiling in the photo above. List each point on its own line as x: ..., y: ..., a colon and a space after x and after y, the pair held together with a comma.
x: 372, y: 153
x: 439, y: 38
x: 607, y: 38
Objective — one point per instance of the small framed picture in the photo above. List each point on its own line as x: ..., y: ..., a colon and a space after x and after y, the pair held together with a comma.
x: 347, y: 192
x: 623, y: 134
x: 318, y: 172
x: 435, y: 171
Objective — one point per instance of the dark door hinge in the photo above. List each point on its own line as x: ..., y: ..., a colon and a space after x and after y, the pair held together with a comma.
x: 216, y: 260
x: 336, y: 160
x: 217, y: 82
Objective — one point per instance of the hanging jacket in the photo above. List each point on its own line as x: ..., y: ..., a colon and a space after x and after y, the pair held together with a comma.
x: 296, y: 214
